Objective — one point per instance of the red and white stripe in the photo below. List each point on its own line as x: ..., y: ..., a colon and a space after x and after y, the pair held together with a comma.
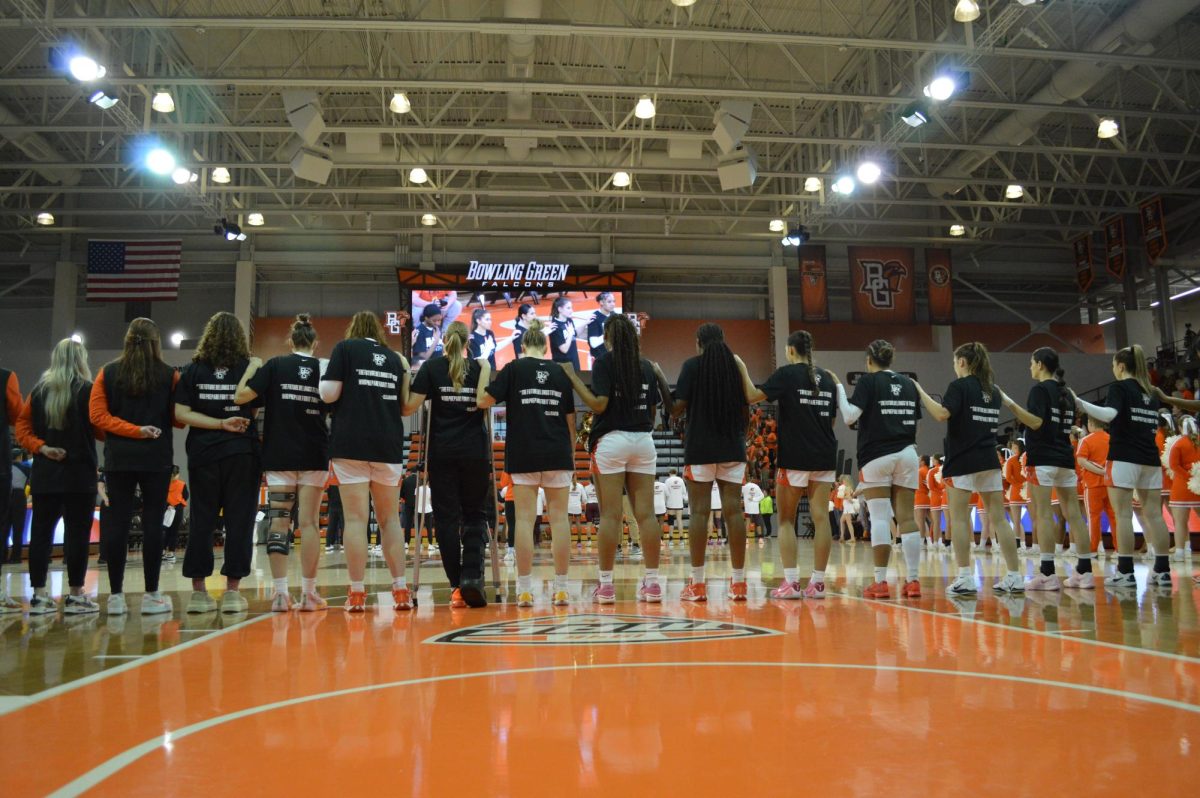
x: 151, y: 273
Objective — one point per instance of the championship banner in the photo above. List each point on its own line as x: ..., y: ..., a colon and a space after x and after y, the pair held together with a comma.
x: 1084, y: 274
x: 1114, y: 247
x: 941, y: 288
x: 1154, y: 228
x: 881, y: 285
x: 814, y: 297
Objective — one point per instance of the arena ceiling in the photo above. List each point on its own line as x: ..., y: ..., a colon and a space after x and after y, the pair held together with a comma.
x: 523, y: 111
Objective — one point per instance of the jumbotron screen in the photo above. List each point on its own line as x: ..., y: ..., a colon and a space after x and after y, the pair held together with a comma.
x: 497, y: 319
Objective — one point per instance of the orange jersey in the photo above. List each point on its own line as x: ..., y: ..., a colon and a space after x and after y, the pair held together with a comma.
x: 1014, y: 475
x: 1183, y: 455
x: 175, y: 493
x: 1094, y: 449
x: 922, y: 497
x: 1160, y: 438
x: 937, y: 490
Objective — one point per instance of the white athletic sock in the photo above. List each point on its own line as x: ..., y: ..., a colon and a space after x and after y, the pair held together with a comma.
x: 560, y: 582
x: 357, y: 587
x: 881, y: 574
x: 525, y: 583
x: 697, y: 573
x: 910, y: 544
x: 399, y: 583
x: 309, y: 585
x: 651, y: 577
x: 739, y: 574
x: 512, y: 551
x: 606, y: 577
x: 818, y: 577
x: 1013, y: 573
x: 281, y: 584
x: 791, y: 575
x: 965, y: 571
x: 1058, y: 548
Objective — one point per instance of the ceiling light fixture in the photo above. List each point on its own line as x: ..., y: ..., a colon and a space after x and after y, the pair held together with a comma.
x: 844, y: 185
x: 104, y: 98
x: 176, y: 338
x: 1108, y: 128
x: 160, y: 161
x: 255, y: 219
x: 869, y: 172
x: 183, y: 175
x: 957, y: 230
x: 45, y: 218
x: 644, y: 108
x: 1014, y: 192
x: 163, y: 102
x: 429, y: 220
x: 621, y: 179
x: 220, y: 175
x: 84, y: 69
x: 796, y: 236
x: 400, y: 103
x: 941, y: 88
x: 777, y: 226
x: 914, y: 115
x: 228, y: 229
x: 812, y: 184
x: 683, y: 3
x: 966, y: 11
x: 418, y: 176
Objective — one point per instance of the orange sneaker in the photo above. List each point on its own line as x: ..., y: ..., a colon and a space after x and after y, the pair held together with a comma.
x: 737, y: 591
x: 877, y: 590
x: 356, y: 601
x: 401, y: 599
x: 911, y: 589
x: 312, y: 602
x: 456, y: 599
x: 695, y: 591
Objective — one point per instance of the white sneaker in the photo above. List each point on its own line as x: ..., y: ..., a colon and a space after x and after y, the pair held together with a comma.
x: 200, y: 603
x: 1010, y: 583
x: 282, y: 602
x: 1178, y: 555
x: 1161, y: 579
x: 157, y: 604
x: 962, y: 586
x: 80, y: 605
x: 1119, y: 579
x: 116, y: 605
x: 233, y: 601
x: 509, y: 558
x: 8, y: 604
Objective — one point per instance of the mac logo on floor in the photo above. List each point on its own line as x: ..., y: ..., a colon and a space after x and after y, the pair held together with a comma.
x: 598, y: 629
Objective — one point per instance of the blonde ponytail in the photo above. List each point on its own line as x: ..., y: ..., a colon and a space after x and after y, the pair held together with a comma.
x: 455, y: 342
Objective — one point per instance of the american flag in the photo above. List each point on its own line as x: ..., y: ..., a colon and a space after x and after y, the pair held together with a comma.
x: 128, y: 271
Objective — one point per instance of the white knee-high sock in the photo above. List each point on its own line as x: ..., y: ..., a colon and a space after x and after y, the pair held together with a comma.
x: 910, y: 544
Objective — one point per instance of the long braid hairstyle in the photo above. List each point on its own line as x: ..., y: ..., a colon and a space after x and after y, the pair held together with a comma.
x: 719, y: 393
x: 802, y: 342
x: 1048, y: 357
x: 625, y: 362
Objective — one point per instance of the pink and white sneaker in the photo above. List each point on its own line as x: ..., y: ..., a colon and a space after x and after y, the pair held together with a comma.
x: 605, y: 594
x: 788, y: 591
x: 1080, y: 581
x: 1040, y: 581
x: 815, y: 590
x: 650, y: 592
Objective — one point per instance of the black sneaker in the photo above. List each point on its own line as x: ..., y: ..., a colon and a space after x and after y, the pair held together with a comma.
x: 473, y: 593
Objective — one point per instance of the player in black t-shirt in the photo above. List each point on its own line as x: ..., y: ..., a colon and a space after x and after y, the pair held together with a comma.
x: 525, y: 314
x: 427, y: 337
x: 1050, y: 464
x: 886, y: 406
x: 595, y: 326
x: 541, y: 426
x: 1134, y: 464
x: 711, y: 390
x: 807, y: 397
x: 223, y: 461
x: 563, y: 344
x: 483, y: 342
x: 295, y: 456
x: 622, y: 396
x: 459, y: 464
x: 365, y: 382
x: 971, y: 408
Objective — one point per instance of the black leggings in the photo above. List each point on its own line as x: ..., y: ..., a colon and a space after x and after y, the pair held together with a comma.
x: 171, y: 533
x: 76, y: 511
x: 459, y: 489
x: 333, y: 526
x: 114, y: 543
x: 13, y: 519
x: 230, y: 484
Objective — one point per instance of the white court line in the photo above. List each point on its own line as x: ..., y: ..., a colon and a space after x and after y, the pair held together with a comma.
x: 10, y: 702
x: 118, y: 656
x: 102, y: 771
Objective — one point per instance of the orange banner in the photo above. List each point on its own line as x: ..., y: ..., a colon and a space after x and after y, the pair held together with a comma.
x: 1154, y: 228
x: 1114, y: 247
x: 814, y: 297
x: 881, y: 285
x: 1084, y: 274
x: 941, y: 288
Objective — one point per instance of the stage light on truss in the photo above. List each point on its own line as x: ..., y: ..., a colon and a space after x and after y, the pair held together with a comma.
x: 869, y: 172
x: 844, y: 185
x: 255, y: 219
x: 777, y: 226
x: 85, y: 69
x: 45, y: 219
x: 812, y: 184
x: 957, y: 230
x: 1108, y: 128
x: 1014, y: 191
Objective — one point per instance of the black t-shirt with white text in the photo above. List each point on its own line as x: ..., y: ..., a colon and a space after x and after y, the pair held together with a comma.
x: 210, y: 391
x: 1050, y: 444
x: 639, y: 418
x: 295, y: 437
x: 1131, y: 433
x: 806, y: 413
x: 564, y: 330
x: 703, y: 442
x: 891, y: 408
x: 367, y: 420
x: 483, y: 345
x: 539, y: 398
x: 518, y: 335
x: 457, y: 429
x: 427, y: 343
x: 971, y: 428
x: 595, y: 329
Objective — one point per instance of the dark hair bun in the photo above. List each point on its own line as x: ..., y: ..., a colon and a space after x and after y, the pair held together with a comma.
x: 303, y: 320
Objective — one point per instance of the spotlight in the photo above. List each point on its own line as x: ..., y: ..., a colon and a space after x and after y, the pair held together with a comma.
x: 1108, y: 128
x: 796, y: 236
x: 220, y: 175
x: 966, y: 11
x: 163, y: 102
x: 644, y: 108
x: 429, y: 220
x: 683, y: 3
x: 941, y: 88
x: 77, y: 337
x: 45, y: 218
x: 844, y: 185
x: 812, y: 184
x: 1014, y: 192
x: 85, y: 69
x: 777, y: 226
x: 417, y: 175
x: 914, y: 115
x: 176, y: 339
x: 160, y: 161
x: 869, y: 172
x: 104, y: 98
x: 255, y: 219
x: 957, y: 230
x: 621, y: 179
x: 184, y: 175
x: 400, y: 103
x: 230, y: 230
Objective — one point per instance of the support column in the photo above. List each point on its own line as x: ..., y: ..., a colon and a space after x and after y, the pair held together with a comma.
x: 777, y: 304
x: 62, y: 315
x: 1166, y: 314
x: 244, y: 287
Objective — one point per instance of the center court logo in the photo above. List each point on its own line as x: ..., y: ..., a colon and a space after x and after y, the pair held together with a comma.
x: 881, y: 282
x: 595, y: 629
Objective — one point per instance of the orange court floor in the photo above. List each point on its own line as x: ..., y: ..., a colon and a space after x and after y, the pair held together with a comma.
x: 1091, y: 692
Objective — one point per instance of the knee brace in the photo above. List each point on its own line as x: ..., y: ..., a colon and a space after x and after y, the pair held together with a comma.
x: 288, y: 498
x: 277, y: 543
x: 881, y: 521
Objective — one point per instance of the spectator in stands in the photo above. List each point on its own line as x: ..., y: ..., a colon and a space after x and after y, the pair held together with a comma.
x: 766, y: 511
x: 1189, y: 336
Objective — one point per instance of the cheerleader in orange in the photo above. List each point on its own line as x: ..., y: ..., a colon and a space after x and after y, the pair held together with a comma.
x: 985, y: 528
x: 1182, y: 454
x: 1092, y: 456
x: 1018, y: 506
x: 921, y: 502
x: 937, y: 500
